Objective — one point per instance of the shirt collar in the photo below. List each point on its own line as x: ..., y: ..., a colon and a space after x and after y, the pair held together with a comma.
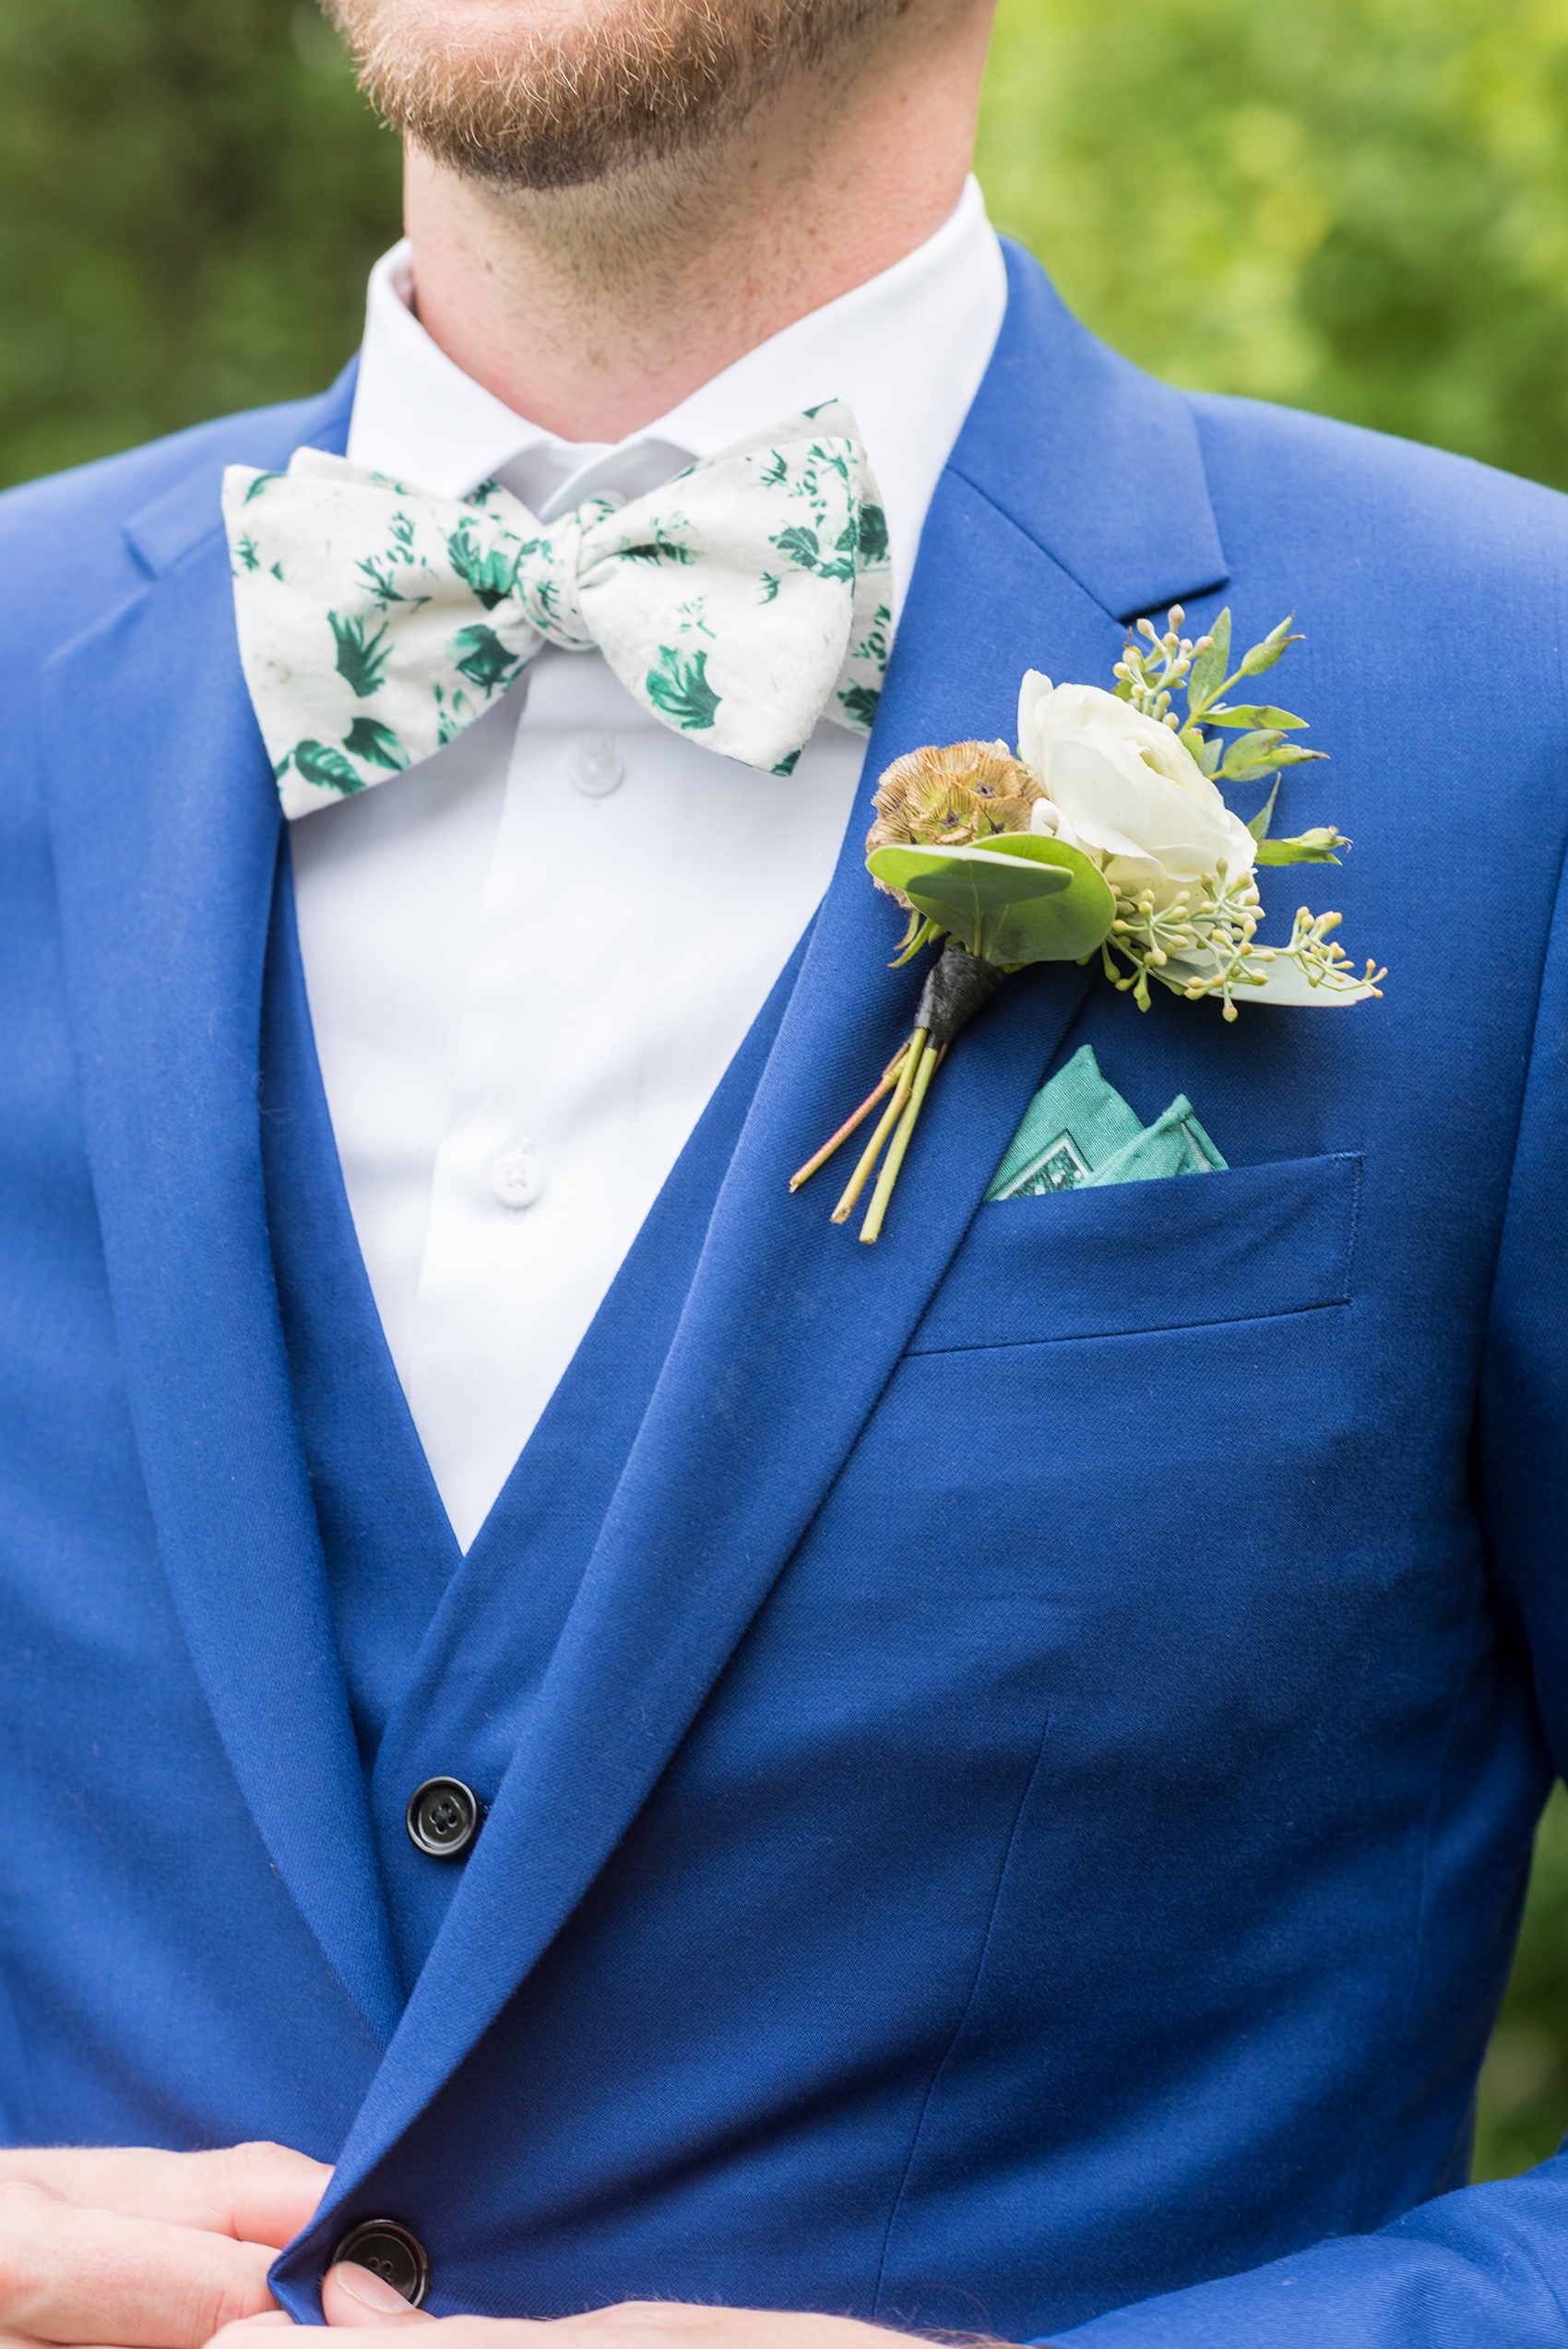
x: 906, y: 351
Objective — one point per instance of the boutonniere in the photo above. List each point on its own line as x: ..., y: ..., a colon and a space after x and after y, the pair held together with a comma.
x: 1105, y: 834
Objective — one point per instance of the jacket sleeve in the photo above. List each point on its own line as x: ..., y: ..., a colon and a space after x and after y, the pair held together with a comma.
x: 1488, y: 2265
x: 1483, y: 2269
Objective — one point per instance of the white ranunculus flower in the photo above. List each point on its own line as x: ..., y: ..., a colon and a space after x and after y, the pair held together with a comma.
x: 1121, y: 787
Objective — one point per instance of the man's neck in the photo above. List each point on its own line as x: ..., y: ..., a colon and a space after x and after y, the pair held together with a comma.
x: 593, y: 310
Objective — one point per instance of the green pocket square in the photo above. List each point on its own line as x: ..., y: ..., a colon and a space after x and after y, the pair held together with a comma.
x: 1078, y: 1131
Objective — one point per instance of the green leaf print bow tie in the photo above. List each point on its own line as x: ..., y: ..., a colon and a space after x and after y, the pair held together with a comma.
x: 747, y: 598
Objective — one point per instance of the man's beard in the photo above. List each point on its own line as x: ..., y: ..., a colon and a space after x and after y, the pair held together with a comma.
x: 646, y: 80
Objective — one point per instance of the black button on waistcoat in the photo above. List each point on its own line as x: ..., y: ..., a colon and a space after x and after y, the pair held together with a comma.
x: 389, y: 2250
x: 442, y: 1817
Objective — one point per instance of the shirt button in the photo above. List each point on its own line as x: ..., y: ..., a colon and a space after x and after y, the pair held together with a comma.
x: 442, y: 1817
x: 390, y: 2250
x: 593, y: 767
x: 517, y: 1176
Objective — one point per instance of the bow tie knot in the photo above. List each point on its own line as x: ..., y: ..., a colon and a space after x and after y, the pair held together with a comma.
x: 739, y: 603
x: 536, y: 577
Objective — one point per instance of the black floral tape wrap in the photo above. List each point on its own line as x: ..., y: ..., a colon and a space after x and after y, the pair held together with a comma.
x: 958, y: 986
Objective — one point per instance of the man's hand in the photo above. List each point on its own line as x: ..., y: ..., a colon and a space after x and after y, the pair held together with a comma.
x: 140, y: 2249
x: 352, y: 2295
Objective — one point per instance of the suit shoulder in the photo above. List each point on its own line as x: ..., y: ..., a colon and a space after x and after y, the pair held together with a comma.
x: 1430, y: 520
x: 74, y: 543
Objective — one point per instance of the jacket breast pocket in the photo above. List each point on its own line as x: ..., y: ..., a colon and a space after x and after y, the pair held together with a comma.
x: 1185, y: 1252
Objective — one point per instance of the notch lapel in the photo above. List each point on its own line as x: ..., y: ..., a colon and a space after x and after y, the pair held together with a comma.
x: 1093, y: 461
x: 164, y: 826
x: 791, y: 1329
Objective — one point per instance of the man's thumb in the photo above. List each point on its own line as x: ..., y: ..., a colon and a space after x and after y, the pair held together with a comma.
x: 350, y: 2295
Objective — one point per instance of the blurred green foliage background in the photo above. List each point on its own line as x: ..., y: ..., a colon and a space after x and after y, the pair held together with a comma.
x: 1524, y: 2093
x: 1359, y: 205
x: 191, y: 192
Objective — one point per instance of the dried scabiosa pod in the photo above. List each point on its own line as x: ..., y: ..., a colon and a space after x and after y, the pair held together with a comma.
x: 950, y: 795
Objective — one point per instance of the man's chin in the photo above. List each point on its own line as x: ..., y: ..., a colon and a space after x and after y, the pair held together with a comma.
x: 554, y: 93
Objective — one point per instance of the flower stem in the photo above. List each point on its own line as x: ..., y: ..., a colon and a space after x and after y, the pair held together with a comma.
x: 889, y: 1077
x: 924, y: 1071
x: 916, y: 940
x: 957, y: 984
x: 913, y: 1053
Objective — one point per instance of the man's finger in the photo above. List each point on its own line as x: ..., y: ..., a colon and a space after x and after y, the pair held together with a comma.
x: 258, y: 2193
x: 78, y: 2275
x: 26, y: 2340
x: 351, y: 2295
x: 451, y: 2333
x: 235, y: 2335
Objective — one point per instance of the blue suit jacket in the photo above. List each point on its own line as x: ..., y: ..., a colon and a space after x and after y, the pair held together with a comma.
x: 1014, y: 1808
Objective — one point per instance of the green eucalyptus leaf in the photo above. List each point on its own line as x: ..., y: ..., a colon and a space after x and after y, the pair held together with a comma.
x: 1293, y: 753
x: 1207, y: 673
x: 1261, y: 713
x: 1210, y: 756
x: 1264, y: 816
x: 1020, y: 899
x: 1056, y: 929
x: 967, y: 892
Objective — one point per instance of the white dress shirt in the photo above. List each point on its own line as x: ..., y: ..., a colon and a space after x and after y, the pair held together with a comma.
x: 531, y: 960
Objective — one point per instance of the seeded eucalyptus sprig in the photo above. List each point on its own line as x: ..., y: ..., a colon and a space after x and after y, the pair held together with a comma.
x: 1150, y: 674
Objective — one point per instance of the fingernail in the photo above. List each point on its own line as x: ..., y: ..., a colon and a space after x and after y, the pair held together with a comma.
x: 370, y: 2290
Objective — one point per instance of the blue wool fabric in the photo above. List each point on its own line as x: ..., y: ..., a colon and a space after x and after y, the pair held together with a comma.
x: 410, y: 1608
x: 1011, y: 1754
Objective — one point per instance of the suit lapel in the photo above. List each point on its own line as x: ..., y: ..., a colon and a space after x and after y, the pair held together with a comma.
x: 164, y: 825
x: 1096, y: 462
x: 792, y: 1330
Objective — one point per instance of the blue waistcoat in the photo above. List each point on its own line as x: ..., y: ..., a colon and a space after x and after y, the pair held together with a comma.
x: 1011, y: 1754
x: 394, y: 1575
